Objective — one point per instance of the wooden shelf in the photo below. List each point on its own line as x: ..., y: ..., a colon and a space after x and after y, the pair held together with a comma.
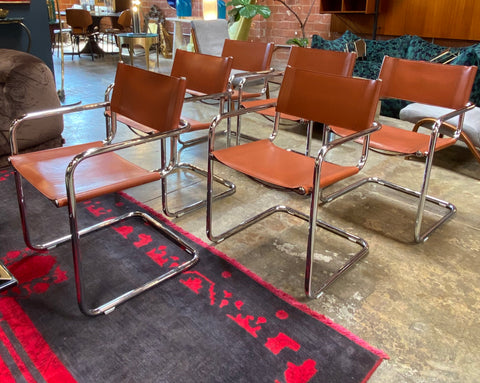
x: 347, y: 6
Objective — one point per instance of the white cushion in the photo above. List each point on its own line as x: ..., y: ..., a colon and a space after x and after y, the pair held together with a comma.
x: 471, y: 125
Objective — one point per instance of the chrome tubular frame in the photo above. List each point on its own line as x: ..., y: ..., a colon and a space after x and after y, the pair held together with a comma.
x: 76, y: 233
x: 230, y: 187
x: 243, y: 79
x: 312, y: 219
x: 450, y: 209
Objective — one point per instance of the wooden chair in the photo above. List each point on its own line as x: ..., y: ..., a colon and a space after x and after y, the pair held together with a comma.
x: 80, y: 22
x: 69, y: 175
x: 344, y: 101
x: 446, y: 86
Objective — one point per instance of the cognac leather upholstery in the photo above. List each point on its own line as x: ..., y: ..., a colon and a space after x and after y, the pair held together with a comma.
x: 316, y: 60
x: 71, y: 174
x: 45, y: 170
x: 207, y: 78
x: 344, y: 101
x: 291, y: 171
x: 447, y: 86
x: 205, y: 74
x: 248, y: 58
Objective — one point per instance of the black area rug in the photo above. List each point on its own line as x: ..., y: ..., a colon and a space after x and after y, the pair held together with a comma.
x: 216, y: 322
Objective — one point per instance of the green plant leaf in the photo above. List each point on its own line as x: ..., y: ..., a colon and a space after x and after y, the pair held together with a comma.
x: 264, y: 11
x: 301, y: 42
x: 248, y: 11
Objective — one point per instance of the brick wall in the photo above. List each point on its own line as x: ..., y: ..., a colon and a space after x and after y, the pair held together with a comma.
x: 278, y: 28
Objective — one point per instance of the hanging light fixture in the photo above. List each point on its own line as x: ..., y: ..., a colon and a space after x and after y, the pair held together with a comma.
x: 210, y: 11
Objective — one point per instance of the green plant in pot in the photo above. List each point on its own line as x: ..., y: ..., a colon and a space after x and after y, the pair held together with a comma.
x: 241, y: 15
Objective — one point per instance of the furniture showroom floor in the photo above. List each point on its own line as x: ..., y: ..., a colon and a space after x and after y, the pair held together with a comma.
x: 417, y: 302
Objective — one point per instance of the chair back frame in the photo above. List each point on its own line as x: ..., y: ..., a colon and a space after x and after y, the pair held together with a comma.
x: 202, y: 72
x: 437, y: 84
x: 79, y: 20
x: 262, y: 159
x: 448, y: 86
x: 249, y: 56
x: 322, y: 60
x: 103, y: 171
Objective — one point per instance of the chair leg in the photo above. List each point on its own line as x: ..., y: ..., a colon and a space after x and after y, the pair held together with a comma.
x: 75, y: 236
x: 313, y: 224
x: 419, y: 236
x: 176, y: 166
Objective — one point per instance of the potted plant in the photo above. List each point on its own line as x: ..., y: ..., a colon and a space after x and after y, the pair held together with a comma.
x: 241, y: 15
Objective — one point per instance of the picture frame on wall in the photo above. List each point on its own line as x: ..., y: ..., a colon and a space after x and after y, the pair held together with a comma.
x: 14, y: 2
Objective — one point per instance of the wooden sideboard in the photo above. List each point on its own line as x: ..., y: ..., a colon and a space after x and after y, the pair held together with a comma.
x: 436, y: 19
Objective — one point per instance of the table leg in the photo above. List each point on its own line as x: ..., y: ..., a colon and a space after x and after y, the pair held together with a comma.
x: 131, y: 51
x: 146, y: 47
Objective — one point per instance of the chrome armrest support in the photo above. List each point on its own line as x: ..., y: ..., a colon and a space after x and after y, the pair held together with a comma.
x: 16, y: 123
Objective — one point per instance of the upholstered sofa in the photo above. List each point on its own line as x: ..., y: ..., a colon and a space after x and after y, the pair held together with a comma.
x: 409, y: 47
x: 27, y: 85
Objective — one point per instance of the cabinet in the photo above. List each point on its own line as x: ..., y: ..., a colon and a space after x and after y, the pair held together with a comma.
x: 347, y: 6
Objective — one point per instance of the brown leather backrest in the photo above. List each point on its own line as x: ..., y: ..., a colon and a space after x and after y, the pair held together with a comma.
x: 346, y: 102
x: 321, y: 60
x: 249, y: 56
x: 437, y: 84
x: 204, y: 73
x: 78, y: 18
x: 149, y: 98
x: 125, y: 19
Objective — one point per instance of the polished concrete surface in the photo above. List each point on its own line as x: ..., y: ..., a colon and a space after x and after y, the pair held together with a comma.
x: 417, y: 302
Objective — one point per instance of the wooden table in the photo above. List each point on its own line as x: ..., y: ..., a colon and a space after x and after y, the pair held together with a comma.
x: 145, y: 40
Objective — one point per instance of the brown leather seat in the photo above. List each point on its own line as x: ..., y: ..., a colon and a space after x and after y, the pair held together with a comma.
x: 447, y: 86
x: 72, y: 174
x: 272, y: 165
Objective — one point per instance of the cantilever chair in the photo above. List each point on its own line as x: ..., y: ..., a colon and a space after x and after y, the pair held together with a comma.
x: 316, y: 60
x: 344, y: 101
x: 251, y: 69
x: 207, y: 79
x: 251, y: 62
x: 69, y: 175
x: 447, y: 86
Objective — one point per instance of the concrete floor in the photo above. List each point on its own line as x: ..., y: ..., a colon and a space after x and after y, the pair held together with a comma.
x: 417, y: 302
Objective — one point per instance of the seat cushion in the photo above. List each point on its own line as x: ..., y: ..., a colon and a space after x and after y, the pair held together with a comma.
x: 102, y: 174
x: 399, y: 141
x: 292, y: 170
x: 471, y: 125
